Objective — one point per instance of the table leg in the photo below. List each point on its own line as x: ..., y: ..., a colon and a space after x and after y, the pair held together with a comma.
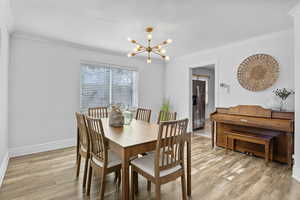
x: 125, y: 175
x: 189, y: 166
x: 212, y: 134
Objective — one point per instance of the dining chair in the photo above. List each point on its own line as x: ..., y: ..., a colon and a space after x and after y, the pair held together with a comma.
x: 167, y: 163
x: 102, y: 160
x: 143, y: 114
x: 166, y: 116
x: 84, y: 145
x: 98, y: 112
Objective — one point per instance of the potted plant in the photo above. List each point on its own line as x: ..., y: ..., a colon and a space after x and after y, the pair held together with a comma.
x: 283, y: 94
x: 166, y: 108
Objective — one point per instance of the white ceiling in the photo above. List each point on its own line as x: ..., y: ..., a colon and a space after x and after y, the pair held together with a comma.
x: 193, y: 25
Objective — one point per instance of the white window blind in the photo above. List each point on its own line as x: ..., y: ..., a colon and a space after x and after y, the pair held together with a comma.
x: 104, y: 84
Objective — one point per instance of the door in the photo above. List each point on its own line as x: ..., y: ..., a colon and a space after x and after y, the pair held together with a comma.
x: 198, y: 99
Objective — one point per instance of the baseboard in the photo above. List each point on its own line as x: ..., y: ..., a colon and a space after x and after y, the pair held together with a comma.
x: 296, y: 173
x: 25, y: 150
x: 3, y: 167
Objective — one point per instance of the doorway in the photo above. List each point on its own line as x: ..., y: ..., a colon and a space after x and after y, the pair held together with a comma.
x: 203, y: 98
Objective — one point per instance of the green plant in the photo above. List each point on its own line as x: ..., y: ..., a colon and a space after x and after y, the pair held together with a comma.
x: 166, y: 105
x: 283, y: 93
x: 166, y: 108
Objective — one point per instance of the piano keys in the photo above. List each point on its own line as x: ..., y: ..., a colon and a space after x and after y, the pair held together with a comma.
x: 257, y: 120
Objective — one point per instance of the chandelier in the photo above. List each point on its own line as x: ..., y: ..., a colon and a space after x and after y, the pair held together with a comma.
x: 156, y: 49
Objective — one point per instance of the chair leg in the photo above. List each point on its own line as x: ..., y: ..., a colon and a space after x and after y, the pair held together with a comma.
x: 136, y: 182
x: 119, y: 178
x: 157, y: 191
x: 116, y: 176
x: 85, y: 171
x: 183, y: 186
x: 77, y: 146
x: 78, y: 165
x: 102, y: 188
x: 148, y: 185
x: 89, y: 180
x: 132, y: 184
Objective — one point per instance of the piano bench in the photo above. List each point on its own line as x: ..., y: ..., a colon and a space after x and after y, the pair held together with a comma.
x: 266, y: 140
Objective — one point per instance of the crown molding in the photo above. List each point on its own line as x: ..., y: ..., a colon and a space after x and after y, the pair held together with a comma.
x: 241, y: 42
x: 41, y: 38
x: 295, y: 11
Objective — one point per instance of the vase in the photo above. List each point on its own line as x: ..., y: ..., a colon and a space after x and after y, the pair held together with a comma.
x: 116, y: 118
x: 127, y: 117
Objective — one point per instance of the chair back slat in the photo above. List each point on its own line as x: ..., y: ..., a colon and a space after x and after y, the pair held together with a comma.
x: 170, y: 144
x: 97, y: 139
x: 83, y: 130
x: 98, y: 112
x: 143, y: 114
x: 166, y: 116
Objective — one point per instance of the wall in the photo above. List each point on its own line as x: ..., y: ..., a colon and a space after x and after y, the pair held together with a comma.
x: 210, y: 107
x: 44, y: 90
x: 227, y: 60
x: 296, y: 15
x: 5, y: 25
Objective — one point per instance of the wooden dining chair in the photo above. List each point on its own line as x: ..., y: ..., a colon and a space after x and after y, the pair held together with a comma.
x: 98, y: 112
x: 84, y: 145
x: 102, y: 160
x: 167, y: 163
x: 143, y: 114
x: 166, y: 116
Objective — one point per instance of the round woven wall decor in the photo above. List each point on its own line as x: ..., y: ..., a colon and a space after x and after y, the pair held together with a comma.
x: 258, y: 72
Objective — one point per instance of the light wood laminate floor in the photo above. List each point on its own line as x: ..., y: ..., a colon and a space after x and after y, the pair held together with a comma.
x: 216, y: 176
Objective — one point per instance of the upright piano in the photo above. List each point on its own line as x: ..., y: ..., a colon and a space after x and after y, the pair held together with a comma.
x: 257, y: 120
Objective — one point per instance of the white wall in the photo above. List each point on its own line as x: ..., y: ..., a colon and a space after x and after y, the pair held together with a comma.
x: 296, y: 14
x: 5, y: 25
x: 44, y: 90
x: 210, y: 106
x: 227, y: 59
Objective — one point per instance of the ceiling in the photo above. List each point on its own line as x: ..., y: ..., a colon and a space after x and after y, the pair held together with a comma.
x: 193, y: 25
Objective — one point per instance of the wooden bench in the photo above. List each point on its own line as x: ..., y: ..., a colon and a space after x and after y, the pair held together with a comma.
x: 266, y: 140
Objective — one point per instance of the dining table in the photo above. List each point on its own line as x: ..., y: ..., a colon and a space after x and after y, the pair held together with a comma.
x: 135, y: 139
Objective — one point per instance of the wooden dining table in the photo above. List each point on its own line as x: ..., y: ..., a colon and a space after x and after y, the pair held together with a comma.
x: 137, y: 138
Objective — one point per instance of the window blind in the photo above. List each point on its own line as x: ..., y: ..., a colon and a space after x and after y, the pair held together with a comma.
x: 104, y: 84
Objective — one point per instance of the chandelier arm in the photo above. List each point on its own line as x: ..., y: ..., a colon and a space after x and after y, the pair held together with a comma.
x: 140, y: 45
x: 156, y: 52
x: 160, y: 44
x: 142, y: 51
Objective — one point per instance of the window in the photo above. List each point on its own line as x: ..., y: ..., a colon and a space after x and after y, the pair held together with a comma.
x: 105, y: 84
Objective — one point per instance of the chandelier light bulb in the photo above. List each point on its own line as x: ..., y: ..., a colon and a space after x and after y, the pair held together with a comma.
x: 162, y: 51
x: 129, y: 55
x: 129, y: 39
x: 169, y: 41
x: 159, y: 46
x: 149, y: 61
x: 138, y: 46
x: 167, y: 58
x: 135, y: 49
x: 149, y: 37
